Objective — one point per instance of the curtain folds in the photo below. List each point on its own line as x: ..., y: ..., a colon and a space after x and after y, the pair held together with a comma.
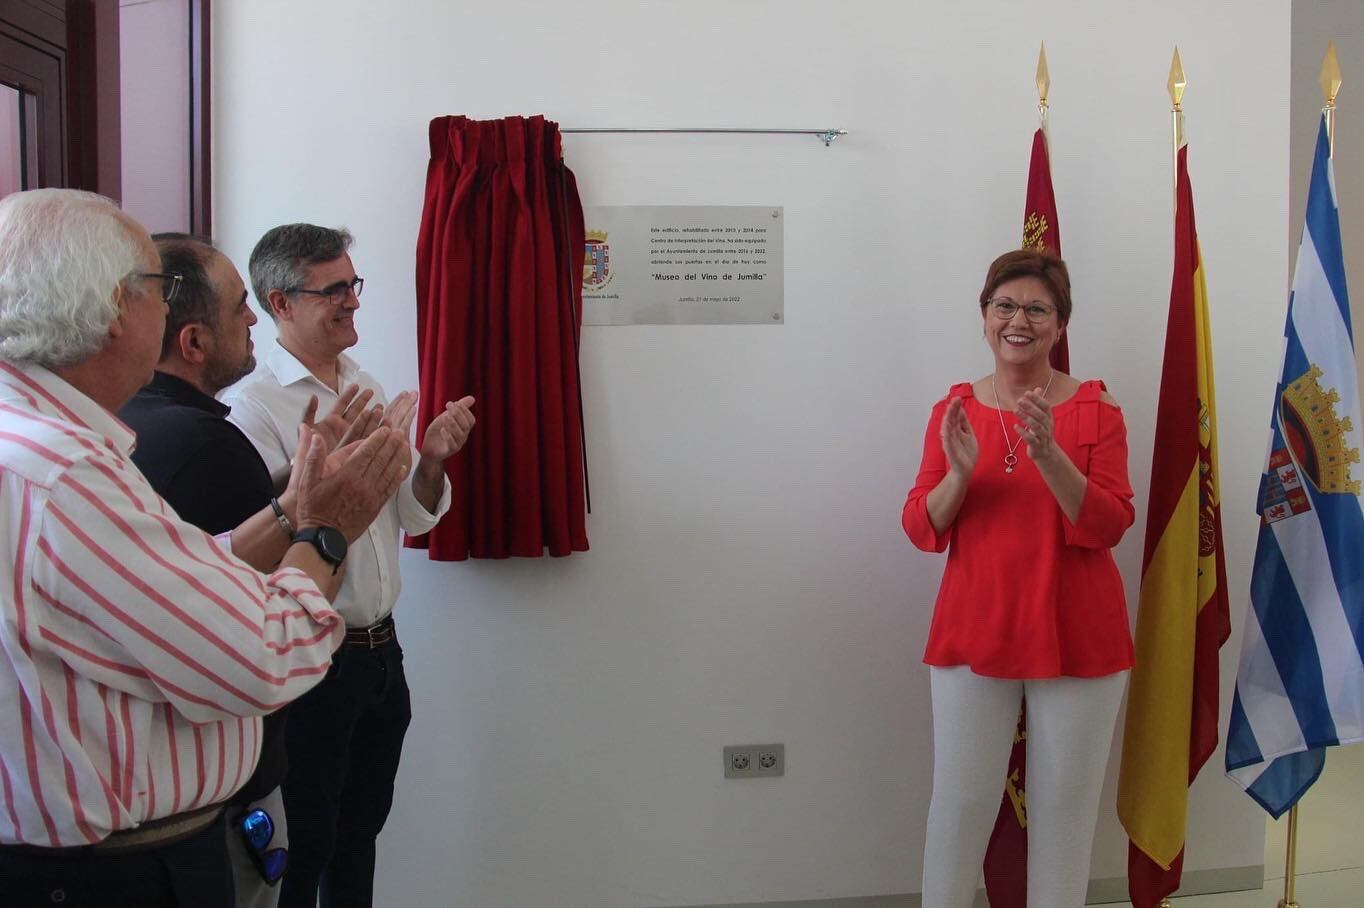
x: 499, y: 314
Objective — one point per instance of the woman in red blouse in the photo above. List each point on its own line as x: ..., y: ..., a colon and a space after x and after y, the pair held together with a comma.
x: 1024, y: 483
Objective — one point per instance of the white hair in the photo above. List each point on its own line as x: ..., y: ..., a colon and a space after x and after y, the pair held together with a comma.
x: 63, y: 256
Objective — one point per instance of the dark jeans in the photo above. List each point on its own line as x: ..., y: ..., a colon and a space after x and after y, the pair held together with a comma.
x: 344, y: 738
x: 191, y: 874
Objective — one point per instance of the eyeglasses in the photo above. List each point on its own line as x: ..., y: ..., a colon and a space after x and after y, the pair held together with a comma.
x: 170, y: 283
x: 1005, y: 309
x: 336, y: 293
x: 257, y: 829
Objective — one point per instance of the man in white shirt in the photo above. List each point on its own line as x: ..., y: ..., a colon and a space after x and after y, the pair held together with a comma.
x: 137, y: 653
x: 345, y: 737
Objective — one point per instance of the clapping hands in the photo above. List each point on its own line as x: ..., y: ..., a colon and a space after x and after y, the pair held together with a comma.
x: 349, y: 419
x: 448, y: 432
x: 1036, y: 425
x: 959, y: 444
x: 347, y: 488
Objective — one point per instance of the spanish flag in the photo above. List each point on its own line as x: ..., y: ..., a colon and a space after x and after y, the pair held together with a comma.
x: 1006, y: 857
x: 1183, y: 616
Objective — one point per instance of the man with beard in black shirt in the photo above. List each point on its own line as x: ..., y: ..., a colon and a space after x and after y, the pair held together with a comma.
x: 210, y: 473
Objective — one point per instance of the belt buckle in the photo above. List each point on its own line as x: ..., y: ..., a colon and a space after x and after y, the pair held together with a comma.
x: 371, y: 637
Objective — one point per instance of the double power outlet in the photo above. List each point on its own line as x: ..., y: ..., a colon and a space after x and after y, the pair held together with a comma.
x: 754, y: 761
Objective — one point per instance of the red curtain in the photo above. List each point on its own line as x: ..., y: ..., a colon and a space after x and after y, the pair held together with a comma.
x: 499, y: 314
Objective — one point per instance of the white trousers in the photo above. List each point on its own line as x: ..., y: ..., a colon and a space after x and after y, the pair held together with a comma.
x: 1070, y: 731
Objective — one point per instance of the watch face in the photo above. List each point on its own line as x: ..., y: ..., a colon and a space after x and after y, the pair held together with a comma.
x: 331, y: 544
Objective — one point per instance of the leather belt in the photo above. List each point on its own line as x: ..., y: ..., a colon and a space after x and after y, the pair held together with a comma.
x: 145, y: 836
x: 165, y: 831
x: 372, y: 637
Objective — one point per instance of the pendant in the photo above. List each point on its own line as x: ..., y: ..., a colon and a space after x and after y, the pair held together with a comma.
x: 1009, y: 461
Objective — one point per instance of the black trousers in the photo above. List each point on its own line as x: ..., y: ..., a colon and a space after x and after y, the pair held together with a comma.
x: 344, y: 738
x: 193, y: 873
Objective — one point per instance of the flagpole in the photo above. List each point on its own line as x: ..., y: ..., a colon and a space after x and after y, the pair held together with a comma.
x: 1291, y: 861
x: 1330, y: 87
x: 1175, y: 85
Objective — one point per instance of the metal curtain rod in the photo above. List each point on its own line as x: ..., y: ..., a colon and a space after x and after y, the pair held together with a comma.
x: 827, y: 136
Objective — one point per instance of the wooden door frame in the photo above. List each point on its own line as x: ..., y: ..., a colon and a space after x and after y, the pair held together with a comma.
x: 95, y: 150
x: 200, y: 118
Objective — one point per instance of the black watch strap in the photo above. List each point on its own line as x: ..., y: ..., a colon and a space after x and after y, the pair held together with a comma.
x: 329, y: 542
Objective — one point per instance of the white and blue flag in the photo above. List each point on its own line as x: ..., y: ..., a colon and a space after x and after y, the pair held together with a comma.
x: 1300, y: 686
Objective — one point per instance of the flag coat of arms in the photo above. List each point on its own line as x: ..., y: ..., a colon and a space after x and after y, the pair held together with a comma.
x: 1300, y: 685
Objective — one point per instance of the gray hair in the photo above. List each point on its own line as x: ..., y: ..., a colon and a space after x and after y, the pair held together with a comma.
x: 63, y: 256
x: 196, y: 302
x: 280, y: 260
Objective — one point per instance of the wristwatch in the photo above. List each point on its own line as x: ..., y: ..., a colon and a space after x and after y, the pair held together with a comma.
x: 329, y: 542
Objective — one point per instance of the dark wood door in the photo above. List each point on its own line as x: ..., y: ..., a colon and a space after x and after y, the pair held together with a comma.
x: 64, y: 56
x: 38, y: 77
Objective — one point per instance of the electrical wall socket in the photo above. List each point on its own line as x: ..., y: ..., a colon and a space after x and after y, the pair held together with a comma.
x: 753, y: 761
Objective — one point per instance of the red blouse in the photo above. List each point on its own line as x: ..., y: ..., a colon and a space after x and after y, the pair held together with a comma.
x: 1027, y: 593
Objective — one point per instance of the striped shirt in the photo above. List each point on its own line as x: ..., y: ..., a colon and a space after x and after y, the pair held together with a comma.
x: 136, y: 653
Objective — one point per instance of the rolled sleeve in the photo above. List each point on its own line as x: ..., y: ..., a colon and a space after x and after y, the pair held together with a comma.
x: 932, y: 468
x: 179, y: 619
x: 413, y: 517
x: 1106, y: 511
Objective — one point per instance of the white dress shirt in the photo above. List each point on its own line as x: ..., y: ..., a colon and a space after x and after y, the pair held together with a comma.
x: 268, y: 407
x: 136, y: 653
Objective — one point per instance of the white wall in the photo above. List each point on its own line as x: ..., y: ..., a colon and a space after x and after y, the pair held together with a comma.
x: 748, y: 580
x: 154, y: 111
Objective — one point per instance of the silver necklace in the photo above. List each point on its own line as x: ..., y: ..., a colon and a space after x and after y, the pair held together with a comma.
x: 1011, y: 459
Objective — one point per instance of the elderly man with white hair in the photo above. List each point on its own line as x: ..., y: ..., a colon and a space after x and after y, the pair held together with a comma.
x: 137, y: 653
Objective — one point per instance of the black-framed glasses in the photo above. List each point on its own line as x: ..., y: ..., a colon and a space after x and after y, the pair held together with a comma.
x: 257, y: 830
x: 1005, y: 309
x: 170, y: 283
x: 336, y: 293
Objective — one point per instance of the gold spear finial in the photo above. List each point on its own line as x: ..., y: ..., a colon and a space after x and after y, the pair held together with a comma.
x: 1176, y: 82
x: 1330, y: 75
x: 1043, y: 77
